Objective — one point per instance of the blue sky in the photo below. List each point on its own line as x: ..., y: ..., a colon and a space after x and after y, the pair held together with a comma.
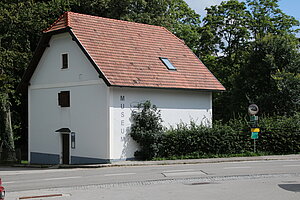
x: 289, y: 7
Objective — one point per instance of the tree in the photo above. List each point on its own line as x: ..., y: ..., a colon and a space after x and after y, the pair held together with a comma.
x: 21, y: 22
x: 271, y: 71
x: 266, y: 18
x: 175, y: 15
x: 250, y: 42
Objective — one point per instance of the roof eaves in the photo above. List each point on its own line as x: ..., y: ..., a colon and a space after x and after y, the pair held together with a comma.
x: 39, y: 51
x: 169, y: 88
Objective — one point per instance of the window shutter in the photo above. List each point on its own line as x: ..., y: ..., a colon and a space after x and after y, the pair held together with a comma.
x: 64, y: 99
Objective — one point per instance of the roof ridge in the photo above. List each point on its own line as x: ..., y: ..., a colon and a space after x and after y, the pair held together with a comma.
x: 54, y: 23
x: 68, y: 20
x: 111, y: 19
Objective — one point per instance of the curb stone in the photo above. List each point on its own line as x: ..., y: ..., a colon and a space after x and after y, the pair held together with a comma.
x: 167, y: 162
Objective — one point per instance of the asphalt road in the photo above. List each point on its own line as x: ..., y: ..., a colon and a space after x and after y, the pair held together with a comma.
x: 277, y: 179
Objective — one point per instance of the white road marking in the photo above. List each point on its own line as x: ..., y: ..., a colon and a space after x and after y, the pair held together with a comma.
x: 38, y: 180
x: 61, y: 178
x: 236, y: 167
x: 8, y: 182
x: 121, y: 174
x: 186, y: 170
x: 43, y: 171
x: 291, y: 165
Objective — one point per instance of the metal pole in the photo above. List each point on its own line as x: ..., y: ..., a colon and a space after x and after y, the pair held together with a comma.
x: 254, y: 146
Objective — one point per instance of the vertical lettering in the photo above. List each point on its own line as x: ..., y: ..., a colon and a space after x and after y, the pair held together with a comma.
x: 122, y: 121
x: 122, y: 98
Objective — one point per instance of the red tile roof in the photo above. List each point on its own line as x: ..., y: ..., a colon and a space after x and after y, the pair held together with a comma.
x: 128, y: 53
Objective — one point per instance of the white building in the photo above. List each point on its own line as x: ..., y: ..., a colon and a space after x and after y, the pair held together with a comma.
x: 87, y: 75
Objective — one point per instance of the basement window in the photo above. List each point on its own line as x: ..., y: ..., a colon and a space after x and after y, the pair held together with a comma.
x: 65, y: 62
x: 167, y: 63
x: 64, y: 99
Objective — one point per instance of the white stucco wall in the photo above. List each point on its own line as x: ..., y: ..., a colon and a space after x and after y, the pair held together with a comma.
x: 88, y: 114
x: 176, y: 106
x: 98, y: 115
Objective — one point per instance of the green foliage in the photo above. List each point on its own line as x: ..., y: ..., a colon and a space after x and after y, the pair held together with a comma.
x: 279, y: 135
x: 266, y: 18
x: 248, y: 45
x: 146, y: 130
x: 251, y: 48
x: 272, y: 70
x: 22, y: 22
x: 202, y: 140
x: 175, y: 15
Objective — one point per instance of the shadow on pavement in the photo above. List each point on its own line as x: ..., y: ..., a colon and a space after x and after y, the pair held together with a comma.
x: 290, y: 187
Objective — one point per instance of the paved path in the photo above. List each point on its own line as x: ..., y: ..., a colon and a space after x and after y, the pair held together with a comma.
x: 268, y: 178
x: 174, y: 162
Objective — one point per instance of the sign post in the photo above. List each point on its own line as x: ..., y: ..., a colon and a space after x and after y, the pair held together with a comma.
x: 253, y: 110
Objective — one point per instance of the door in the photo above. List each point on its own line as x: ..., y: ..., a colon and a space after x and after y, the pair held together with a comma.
x: 66, y: 149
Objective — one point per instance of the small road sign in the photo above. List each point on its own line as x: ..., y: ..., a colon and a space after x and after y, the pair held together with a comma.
x: 253, y: 109
x: 257, y: 130
x: 254, y: 135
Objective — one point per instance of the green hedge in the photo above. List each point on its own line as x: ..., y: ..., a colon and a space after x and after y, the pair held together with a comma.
x: 200, y: 140
x: 279, y: 135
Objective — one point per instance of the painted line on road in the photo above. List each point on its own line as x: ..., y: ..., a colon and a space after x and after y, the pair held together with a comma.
x: 121, y: 174
x: 236, y: 167
x: 37, y: 180
x: 61, y: 178
x: 291, y: 165
x: 185, y: 170
x: 45, y: 196
x: 8, y: 182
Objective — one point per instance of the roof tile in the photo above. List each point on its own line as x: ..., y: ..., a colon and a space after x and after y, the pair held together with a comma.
x: 128, y: 53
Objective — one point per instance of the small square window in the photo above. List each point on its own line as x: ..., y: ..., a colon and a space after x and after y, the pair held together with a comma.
x: 64, y: 99
x: 167, y: 63
x: 65, y: 62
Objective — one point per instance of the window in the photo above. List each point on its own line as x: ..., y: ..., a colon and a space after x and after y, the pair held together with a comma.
x: 64, y: 99
x: 65, y: 63
x: 167, y: 63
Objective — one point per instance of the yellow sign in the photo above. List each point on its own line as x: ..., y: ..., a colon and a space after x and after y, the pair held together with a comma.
x: 257, y: 130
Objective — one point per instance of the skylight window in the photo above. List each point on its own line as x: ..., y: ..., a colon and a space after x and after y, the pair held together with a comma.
x: 168, y: 64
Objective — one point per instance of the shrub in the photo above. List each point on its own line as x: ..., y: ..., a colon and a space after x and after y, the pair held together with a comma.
x: 279, y: 135
x: 146, y: 130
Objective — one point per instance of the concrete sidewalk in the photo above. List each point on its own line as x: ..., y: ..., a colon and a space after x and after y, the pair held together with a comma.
x: 171, y: 162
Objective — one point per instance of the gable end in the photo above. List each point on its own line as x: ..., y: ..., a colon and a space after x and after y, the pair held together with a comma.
x: 42, y: 45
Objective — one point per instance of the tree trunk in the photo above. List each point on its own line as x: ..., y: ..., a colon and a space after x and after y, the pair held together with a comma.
x: 8, y: 135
